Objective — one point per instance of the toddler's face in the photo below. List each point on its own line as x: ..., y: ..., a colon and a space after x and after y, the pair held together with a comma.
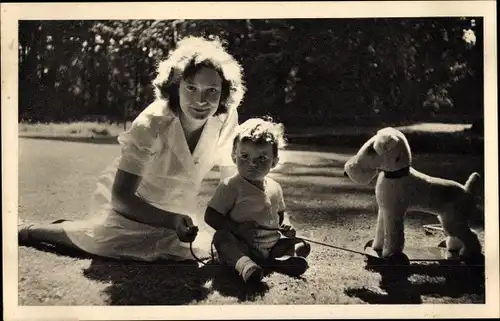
x: 254, y: 161
x: 199, y: 96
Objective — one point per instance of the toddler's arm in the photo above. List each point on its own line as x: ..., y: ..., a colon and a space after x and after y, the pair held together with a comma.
x: 285, y: 224
x: 219, y: 221
x: 221, y: 203
x: 284, y: 219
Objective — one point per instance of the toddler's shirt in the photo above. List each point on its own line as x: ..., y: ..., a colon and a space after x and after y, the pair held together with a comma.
x: 242, y: 202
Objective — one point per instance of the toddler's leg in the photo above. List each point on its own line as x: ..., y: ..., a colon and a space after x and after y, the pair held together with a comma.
x: 236, y: 254
x: 290, y: 246
x: 288, y: 256
x: 47, y: 233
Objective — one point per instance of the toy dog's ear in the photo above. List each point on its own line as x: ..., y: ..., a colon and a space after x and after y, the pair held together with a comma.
x: 385, y: 143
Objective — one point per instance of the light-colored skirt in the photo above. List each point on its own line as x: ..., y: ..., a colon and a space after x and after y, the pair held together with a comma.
x: 110, y: 234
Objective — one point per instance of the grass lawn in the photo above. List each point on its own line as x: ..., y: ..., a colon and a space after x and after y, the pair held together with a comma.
x: 56, y: 180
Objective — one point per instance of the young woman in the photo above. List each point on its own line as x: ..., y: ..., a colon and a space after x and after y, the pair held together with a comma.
x: 143, y: 202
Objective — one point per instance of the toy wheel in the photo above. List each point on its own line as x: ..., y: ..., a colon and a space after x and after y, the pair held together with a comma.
x: 399, y: 259
x: 375, y: 263
x: 368, y: 244
x: 474, y: 260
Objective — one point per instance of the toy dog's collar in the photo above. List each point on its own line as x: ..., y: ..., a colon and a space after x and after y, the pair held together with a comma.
x: 397, y: 174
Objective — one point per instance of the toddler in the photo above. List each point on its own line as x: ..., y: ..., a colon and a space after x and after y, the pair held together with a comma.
x: 247, y: 209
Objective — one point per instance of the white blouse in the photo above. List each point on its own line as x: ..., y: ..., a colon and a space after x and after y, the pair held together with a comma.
x: 156, y: 149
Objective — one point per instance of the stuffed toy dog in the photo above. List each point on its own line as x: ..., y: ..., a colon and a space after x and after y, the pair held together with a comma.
x: 401, y: 188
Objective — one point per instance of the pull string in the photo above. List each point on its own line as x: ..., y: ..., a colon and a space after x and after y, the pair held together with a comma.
x: 212, y: 256
x: 313, y: 241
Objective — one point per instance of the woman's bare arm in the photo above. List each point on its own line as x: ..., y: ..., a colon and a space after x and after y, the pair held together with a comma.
x: 128, y: 204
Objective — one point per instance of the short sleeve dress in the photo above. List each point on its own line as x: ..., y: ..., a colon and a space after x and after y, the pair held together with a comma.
x: 154, y: 148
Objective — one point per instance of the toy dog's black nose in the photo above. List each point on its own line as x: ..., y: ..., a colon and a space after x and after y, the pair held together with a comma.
x: 345, y: 174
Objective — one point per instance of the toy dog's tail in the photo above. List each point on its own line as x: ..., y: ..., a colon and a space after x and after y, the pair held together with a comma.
x: 473, y: 183
x: 473, y: 186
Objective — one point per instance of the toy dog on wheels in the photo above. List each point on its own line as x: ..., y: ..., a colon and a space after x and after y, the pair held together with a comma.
x: 401, y: 188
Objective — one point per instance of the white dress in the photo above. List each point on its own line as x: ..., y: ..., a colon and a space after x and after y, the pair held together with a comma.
x: 154, y: 148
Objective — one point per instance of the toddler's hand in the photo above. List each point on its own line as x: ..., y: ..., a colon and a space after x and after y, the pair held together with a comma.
x: 288, y: 230
x: 185, y: 229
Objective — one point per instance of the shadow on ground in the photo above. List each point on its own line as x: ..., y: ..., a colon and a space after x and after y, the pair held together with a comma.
x: 407, y: 286
x: 161, y: 282
x: 156, y: 283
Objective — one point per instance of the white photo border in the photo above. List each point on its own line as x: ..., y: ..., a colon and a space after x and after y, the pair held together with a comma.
x: 11, y: 13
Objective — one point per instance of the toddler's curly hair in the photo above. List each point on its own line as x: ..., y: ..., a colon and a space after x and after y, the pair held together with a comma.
x: 261, y: 131
x: 191, y: 54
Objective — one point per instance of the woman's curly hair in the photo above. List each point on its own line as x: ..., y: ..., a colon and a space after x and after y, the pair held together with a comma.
x: 190, y: 55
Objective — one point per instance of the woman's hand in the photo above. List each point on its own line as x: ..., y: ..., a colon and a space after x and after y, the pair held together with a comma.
x: 185, y: 229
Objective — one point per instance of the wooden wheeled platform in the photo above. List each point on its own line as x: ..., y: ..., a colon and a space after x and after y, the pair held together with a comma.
x: 438, y: 254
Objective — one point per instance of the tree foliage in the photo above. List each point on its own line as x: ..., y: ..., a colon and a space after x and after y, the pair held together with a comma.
x: 305, y: 71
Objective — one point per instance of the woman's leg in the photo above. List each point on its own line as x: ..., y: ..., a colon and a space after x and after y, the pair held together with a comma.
x: 236, y: 254
x: 108, y: 234
x: 47, y: 233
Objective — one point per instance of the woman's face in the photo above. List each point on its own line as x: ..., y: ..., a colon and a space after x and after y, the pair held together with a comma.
x: 199, y: 95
